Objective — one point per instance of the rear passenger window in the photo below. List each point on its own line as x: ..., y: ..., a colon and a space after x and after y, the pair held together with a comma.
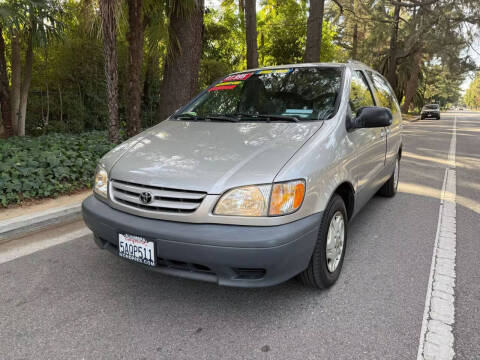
x: 360, y: 94
x: 384, y: 93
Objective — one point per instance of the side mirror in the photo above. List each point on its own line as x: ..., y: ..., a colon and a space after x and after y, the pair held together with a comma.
x: 372, y: 117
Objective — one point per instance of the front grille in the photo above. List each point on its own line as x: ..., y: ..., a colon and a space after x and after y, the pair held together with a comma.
x: 162, y: 199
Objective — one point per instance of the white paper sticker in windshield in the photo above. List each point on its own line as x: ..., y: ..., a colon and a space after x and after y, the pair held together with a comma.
x: 300, y: 112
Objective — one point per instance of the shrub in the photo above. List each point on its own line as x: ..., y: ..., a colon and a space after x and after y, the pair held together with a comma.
x: 48, y: 165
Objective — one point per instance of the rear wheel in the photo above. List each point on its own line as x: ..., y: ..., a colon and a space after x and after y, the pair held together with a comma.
x: 327, y: 258
x: 389, y: 189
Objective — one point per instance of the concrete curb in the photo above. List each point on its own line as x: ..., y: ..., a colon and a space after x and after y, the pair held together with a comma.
x: 412, y: 120
x: 27, y: 224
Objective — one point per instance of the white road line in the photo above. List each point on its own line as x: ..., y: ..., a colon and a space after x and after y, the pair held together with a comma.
x: 436, y: 335
x: 18, y: 248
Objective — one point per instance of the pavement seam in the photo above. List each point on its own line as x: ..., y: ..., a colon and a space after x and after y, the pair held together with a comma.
x: 436, y: 336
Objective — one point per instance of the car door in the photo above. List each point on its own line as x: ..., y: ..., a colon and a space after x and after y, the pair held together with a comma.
x: 369, y: 144
x: 386, y: 97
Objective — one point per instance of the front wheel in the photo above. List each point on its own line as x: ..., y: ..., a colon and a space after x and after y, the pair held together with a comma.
x: 389, y: 189
x: 327, y: 258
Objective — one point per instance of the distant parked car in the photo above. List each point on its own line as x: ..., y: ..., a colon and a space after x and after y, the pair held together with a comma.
x: 430, y: 111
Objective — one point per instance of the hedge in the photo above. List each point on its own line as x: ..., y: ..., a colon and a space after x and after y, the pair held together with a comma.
x: 48, y: 165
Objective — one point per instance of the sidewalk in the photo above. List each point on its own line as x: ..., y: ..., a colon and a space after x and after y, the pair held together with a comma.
x: 25, y: 219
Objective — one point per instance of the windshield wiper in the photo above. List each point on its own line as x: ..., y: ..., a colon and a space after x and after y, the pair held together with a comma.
x: 268, y: 117
x: 280, y: 117
x: 189, y: 116
x: 222, y: 118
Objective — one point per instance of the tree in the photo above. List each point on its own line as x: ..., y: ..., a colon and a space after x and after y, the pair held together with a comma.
x: 251, y: 33
x: 392, y: 53
x: 182, y: 63
x: 108, y: 11
x: 35, y: 23
x: 472, y: 94
x: 314, y: 31
x: 135, y: 36
x: 4, y: 90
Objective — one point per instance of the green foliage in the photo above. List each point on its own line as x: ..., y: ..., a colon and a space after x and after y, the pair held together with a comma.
x: 223, y: 44
x: 48, y: 165
x: 440, y: 86
x: 472, y: 95
x: 282, y: 30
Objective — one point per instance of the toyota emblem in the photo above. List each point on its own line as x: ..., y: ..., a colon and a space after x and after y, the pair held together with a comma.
x: 146, y: 197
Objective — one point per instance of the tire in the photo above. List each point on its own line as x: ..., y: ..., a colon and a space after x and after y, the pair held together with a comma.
x: 438, y: 117
x: 421, y: 117
x: 389, y: 189
x: 319, y: 272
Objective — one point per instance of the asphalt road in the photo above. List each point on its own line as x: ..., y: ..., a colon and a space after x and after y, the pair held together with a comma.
x: 74, y: 301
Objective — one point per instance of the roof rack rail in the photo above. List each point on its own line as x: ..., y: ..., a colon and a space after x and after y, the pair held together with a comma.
x: 351, y: 61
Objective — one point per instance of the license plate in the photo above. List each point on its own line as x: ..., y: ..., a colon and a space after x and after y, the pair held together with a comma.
x: 136, y: 248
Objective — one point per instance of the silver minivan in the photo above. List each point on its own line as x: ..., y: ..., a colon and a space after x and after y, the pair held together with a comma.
x: 255, y: 180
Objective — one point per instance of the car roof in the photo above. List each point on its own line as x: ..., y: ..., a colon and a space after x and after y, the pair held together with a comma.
x: 289, y: 66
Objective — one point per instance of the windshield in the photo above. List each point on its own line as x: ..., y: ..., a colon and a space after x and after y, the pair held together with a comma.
x: 307, y: 93
x: 431, y: 106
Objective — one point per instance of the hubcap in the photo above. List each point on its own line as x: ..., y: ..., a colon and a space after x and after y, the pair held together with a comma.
x: 335, y: 241
x: 395, y: 174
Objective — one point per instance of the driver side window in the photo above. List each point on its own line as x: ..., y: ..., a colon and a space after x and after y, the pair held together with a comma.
x: 360, y: 94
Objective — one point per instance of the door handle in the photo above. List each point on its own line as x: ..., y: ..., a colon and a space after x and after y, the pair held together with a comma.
x: 382, y: 133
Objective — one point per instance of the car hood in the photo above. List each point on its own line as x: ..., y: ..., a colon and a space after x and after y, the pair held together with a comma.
x: 210, y: 156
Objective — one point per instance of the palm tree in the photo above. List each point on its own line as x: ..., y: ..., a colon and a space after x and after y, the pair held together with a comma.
x: 4, y: 90
x: 251, y: 33
x: 314, y: 31
x: 135, y: 36
x: 108, y: 11
x: 36, y: 23
x: 182, y: 63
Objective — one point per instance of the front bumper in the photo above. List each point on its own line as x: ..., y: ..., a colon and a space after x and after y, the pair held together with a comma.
x: 430, y: 114
x: 232, y: 255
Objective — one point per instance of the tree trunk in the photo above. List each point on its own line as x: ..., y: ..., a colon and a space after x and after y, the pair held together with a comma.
x: 27, y: 78
x: 135, y: 53
x: 355, y: 41
x: 4, y: 89
x: 182, y: 64
x: 109, y: 30
x: 392, y: 54
x: 314, y: 31
x: 412, y: 82
x: 355, y: 31
x: 251, y: 33
x: 16, y: 63
x: 60, y: 102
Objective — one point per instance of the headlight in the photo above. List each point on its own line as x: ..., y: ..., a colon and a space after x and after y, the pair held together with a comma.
x: 245, y: 201
x: 262, y: 200
x: 101, y: 182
